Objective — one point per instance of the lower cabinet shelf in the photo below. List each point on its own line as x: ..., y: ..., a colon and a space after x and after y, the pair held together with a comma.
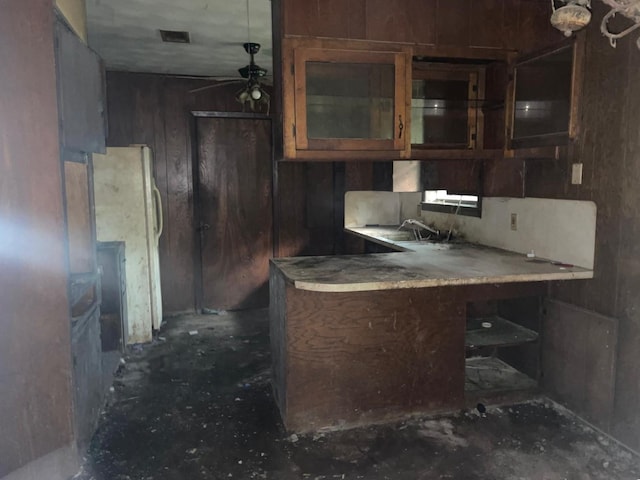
x: 487, y: 375
x: 495, y: 331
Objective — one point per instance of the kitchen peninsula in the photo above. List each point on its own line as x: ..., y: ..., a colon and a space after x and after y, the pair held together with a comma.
x: 368, y: 338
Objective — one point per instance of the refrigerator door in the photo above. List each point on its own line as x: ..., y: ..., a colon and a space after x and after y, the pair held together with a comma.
x: 122, y: 200
x: 154, y: 230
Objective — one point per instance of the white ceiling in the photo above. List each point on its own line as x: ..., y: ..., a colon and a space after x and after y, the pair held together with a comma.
x: 125, y: 33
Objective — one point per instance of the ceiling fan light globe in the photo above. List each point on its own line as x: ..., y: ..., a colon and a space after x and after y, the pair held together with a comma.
x: 570, y: 18
x: 256, y: 93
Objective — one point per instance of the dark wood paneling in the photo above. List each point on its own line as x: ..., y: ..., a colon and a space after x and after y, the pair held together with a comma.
x: 357, y: 176
x: 363, y: 356
x: 87, y: 376
x: 503, y: 178
x: 493, y: 28
x: 533, y: 30
x: 292, y: 235
x: 80, y: 93
x: 461, y: 24
x: 579, y: 360
x: 234, y: 200
x: 178, y: 247
x: 325, y: 18
x: 607, y: 146
x: 496, y: 81
x: 79, y: 218
x: 35, y: 359
x: 408, y: 21
x: 278, y: 335
x: 453, y: 23
x: 457, y: 176
x: 154, y: 110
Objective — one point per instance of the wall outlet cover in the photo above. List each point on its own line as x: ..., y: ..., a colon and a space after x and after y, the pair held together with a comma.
x: 576, y: 174
x: 514, y: 221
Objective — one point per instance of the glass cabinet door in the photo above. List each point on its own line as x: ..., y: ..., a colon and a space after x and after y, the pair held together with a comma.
x: 444, y: 109
x: 543, y: 99
x: 350, y: 100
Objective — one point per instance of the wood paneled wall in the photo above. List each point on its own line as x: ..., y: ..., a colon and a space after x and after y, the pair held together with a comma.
x: 494, y: 24
x: 154, y: 110
x: 35, y: 350
x: 609, y: 149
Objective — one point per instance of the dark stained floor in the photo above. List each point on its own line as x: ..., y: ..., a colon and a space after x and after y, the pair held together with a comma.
x: 196, y: 404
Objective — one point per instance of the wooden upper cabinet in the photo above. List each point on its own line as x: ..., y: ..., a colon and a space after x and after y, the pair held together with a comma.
x: 446, y: 107
x: 81, y: 93
x: 345, y: 101
x: 544, y: 96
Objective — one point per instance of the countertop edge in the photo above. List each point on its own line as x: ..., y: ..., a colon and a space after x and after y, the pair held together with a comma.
x: 438, y: 282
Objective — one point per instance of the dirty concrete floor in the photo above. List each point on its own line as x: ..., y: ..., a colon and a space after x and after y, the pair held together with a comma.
x: 196, y: 404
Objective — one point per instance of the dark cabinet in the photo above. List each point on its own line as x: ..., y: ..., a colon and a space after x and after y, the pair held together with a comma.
x: 113, y: 311
x: 544, y: 97
x: 446, y: 103
x: 81, y: 98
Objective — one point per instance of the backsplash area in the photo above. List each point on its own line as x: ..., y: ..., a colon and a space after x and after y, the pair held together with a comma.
x: 560, y: 230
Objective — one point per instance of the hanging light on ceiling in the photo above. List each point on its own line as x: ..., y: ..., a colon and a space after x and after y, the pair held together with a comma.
x: 572, y: 16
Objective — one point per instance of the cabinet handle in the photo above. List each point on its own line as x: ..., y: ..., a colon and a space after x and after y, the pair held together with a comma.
x: 400, y: 126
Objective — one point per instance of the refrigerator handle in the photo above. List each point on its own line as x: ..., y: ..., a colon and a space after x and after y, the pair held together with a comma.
x: 159, y: 217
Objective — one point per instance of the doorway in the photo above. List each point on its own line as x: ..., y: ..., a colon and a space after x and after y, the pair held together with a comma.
x: 233, y: 210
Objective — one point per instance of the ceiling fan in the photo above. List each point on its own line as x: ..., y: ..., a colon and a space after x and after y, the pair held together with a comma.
x: 252, y: 92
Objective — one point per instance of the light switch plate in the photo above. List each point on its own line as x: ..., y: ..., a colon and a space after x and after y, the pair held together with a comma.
x: 576, y: 174
x: 514, y: 221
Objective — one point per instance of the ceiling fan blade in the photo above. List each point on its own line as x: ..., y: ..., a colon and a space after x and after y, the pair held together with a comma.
x: 215, y: 85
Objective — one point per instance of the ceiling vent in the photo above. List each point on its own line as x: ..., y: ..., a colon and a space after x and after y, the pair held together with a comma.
x: 171, y: 36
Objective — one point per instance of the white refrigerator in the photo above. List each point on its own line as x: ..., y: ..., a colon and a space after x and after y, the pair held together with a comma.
x: 128, y: 208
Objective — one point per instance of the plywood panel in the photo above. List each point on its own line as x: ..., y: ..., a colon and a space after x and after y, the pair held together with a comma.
x: 534, y: 31
x: 359, y: 357
x: 291, y: 234
x: 453, y: 24
x: 408, y: 21
x: 79, y: 218
x: 456, y: 176
x: 35, y: 361
x: 179, y: 243
x: 80, y: 92
x: 234, y: 201
x: 503, y: 178
x: 358, y: 176
x: 487, y: 19
x: 579, y: 350
x: 324, y: 18
x: 460, y: 25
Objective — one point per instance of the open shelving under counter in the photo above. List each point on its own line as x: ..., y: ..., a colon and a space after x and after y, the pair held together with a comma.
x: 486, y: 376
x: 495, y: 331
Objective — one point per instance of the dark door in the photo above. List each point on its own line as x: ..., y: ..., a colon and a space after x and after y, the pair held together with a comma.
x: 234, y: 209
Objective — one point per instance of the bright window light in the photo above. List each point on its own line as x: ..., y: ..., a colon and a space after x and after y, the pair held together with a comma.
x: 442, y: 197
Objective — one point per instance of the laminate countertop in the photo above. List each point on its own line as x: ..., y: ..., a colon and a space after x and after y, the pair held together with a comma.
x: 418, y: 265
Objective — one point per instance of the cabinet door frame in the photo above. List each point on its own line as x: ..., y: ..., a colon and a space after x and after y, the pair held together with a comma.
x: 577, y: 44
x: 296, y: 51
x: 475, y: 76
